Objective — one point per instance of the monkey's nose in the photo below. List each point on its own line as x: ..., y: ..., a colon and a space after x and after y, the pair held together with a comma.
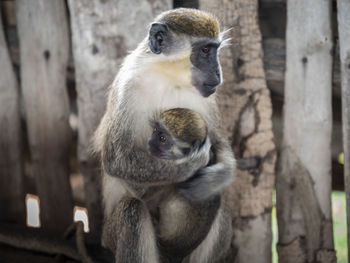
x: 217, y: 72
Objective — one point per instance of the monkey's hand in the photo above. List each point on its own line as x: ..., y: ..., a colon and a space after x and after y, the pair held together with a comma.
x: 210, y: 180
x: 199, y: 154
x: 121, y: 158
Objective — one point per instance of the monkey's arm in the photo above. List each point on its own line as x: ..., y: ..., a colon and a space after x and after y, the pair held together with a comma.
x: 214, y: 178
x: 121, y: 158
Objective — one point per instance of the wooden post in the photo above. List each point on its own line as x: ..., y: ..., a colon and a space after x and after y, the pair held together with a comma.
x: 274, y: 64
x: 245, y: 104
x: 304, y: 179
x: 103, y: 33
x: 12, y: 208
x: 344, y: 45
x: 44, y: 49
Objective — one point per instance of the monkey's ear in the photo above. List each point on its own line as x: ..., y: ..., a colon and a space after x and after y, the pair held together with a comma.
x: 158, y: 37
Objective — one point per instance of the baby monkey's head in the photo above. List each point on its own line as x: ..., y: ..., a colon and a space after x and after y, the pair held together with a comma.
x: 176, y: 133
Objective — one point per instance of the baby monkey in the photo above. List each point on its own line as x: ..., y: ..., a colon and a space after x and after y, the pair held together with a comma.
x: 177, y: 133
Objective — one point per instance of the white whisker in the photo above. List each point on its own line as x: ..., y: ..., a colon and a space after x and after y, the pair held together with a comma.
x: 224, y: 34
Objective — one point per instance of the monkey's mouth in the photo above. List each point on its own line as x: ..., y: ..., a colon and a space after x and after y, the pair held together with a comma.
x: 154, y: 152
x: 207, y: 90
x: 158, y: 153
x: 210, y: 87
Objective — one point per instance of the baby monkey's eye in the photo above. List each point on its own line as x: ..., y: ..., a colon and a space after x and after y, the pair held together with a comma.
x: 155, y: 129
x: 206, y: 50
x: 162, y: 138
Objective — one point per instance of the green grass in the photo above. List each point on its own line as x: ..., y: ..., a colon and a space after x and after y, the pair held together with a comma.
x: 339, y: 227
x: 274, y: 230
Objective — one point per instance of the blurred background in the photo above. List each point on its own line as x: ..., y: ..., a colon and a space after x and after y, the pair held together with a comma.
x: 285, y: 93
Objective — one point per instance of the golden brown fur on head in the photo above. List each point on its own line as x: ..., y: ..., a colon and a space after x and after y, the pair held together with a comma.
x: 191, y: 21
x: 185, y: 124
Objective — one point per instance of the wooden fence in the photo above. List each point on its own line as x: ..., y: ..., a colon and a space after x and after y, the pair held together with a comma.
x: 57, y: 59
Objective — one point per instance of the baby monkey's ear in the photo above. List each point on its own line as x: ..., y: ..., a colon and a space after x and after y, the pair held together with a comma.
x: 158, y: 38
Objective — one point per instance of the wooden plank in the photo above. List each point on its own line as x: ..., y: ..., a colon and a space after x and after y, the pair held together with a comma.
x: 8, y: 10
x: 12, y: 204
x: 245, y: 105
x: 344, y: 43
x: 101, y: 38
x: 275, y: 61
x: 304, y: 181
x: 37, y: 241
x: 14, y: 255
x: 44, y: 49
x: 274, y: 1
x: 186, y: 3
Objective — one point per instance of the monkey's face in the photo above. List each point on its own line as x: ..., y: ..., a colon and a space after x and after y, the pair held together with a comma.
x: 206, y: 69
x: 202, y: 52
x: 161, y: 143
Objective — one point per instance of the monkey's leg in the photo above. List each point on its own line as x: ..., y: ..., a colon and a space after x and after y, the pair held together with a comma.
x: 216, y: 245
x: 128, y: 231
x: 183, y: 225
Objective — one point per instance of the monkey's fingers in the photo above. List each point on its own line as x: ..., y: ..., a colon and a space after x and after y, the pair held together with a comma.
x: 207, y: 182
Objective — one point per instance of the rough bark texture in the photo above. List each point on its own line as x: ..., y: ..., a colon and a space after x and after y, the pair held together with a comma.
x: 245, y: 105
x: 344, y: 43
x: 103, y: 33
x: 44, y: 47
x: 11, y: 169
x: 304, y: 179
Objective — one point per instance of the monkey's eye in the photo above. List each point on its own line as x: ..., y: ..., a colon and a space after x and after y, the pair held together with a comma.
x: 155, y: 129
x: 205, y: 50
x: 162, y: 138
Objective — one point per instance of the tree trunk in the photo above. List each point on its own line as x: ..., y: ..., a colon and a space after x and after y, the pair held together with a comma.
x: 11, y: 167
x: 244, y: 101
x: 103, y: 33
x: 44, y: 47
x: 304, y: 179
x: 344, y: 44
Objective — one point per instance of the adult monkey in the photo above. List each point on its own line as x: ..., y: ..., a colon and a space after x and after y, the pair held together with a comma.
x: 175, y: 66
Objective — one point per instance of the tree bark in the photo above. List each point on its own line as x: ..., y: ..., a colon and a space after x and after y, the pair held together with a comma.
x: 44, y: 48
x: 245, y: 104
x: 103, y: 33
x: 304, y: 179
x: 344, y: 45
x: 11, y: 167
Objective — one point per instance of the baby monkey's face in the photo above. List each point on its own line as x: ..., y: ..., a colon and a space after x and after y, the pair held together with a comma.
x: 163, y: 145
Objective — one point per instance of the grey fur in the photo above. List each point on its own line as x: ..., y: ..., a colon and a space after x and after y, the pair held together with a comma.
x: 126, y: 221
x: 138, y: 225
x: 211, y: 180
x: 142, y: 168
